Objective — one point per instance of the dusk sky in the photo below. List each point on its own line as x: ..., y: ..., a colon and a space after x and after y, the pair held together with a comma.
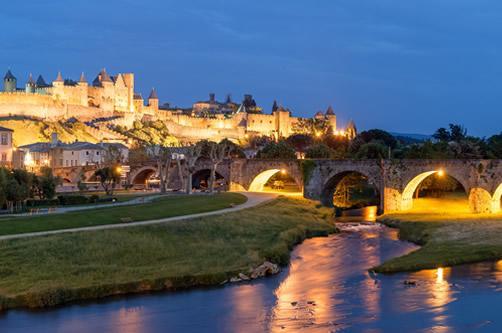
x: 404, y: 66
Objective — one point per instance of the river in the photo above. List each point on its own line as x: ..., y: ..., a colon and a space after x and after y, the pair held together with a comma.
x: 326, y: 289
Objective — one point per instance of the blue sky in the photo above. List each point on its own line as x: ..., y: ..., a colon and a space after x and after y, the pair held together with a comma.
x: 407, y: 66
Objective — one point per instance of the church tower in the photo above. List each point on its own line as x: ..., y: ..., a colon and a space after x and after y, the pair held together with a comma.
x: 9, y: 82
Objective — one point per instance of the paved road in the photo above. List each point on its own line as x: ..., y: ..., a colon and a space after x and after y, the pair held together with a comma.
x: 253, y: 200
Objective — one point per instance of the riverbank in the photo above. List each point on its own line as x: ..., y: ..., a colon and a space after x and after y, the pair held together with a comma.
x: 160, y: 207
x: 52, y: 270
x: 445, y: 239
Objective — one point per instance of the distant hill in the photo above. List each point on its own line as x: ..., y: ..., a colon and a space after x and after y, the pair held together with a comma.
x: 411, y: 138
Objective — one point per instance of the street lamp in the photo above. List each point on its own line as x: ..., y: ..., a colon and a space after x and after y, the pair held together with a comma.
x: 441, y: 173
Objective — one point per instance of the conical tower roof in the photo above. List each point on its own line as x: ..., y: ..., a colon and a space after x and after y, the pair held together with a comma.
x: 82, y: 78
x: 59, y: 78
x: 30, y: 80
x: 41, y: 82
x: 104, y: 76
x: 153, y: 94
x: 329, y: 111
x: 9, y: 76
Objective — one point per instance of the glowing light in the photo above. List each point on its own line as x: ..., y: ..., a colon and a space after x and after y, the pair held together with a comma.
x: 318, y: 134
x: 119, y: 169
x: 440, y: 173
x: 283, y: 171
x: 28, y: 160
x: 260, y: 180
x: 440, y: 274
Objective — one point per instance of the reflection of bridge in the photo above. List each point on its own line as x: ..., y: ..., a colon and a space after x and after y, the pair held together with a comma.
x: 396, y: 180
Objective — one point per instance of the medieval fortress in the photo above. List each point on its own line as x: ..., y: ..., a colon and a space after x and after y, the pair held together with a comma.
x: 112, y: 100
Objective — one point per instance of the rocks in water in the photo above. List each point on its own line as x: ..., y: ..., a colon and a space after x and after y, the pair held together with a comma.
x: 410, y: 283
x: 243, y: 277
x: 267, y: 268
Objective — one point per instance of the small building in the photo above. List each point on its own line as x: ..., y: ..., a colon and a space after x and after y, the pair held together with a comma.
x: 57, y: 154
x: 6, y: 147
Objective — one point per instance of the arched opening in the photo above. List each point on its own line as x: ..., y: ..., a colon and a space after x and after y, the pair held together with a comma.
x: 353, y: 196
x: 146, y: 179
x: 201, y: 178
x: 497, y: 200
x: 435, y: 191
x: 275, y: 180
x: 349, y: 189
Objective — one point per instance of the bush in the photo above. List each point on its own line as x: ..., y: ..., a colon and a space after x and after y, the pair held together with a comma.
x: 41, y: 202
x: 73, y: 200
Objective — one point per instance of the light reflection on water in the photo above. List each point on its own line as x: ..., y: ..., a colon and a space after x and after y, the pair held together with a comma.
x: 327, y: 288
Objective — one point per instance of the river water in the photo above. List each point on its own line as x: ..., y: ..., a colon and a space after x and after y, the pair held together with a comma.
x: 326, y: 289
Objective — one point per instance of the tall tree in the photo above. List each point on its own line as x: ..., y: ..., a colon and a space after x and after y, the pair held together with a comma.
x: 218, y: 152
x: 108, y: 178
x: 192, y: 155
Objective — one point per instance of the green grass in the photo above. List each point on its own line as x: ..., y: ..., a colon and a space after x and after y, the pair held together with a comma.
x: 449, y: 236
x: 51, y: 270
x: 163, y: 207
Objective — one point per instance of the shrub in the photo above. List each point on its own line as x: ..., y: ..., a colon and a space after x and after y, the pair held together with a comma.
x: 73, y: 199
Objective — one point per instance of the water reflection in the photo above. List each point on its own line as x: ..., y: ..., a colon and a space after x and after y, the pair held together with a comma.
x: 327, y: 288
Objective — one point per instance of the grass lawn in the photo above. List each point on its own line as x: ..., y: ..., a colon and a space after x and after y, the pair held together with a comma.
x: 448, y: 233
x: 51, y: 270
x: 163, y: 207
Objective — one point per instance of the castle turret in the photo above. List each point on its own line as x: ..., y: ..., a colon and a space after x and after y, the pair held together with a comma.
x: 153, y: 100
x: 331, y: 117
x: 83, y: 86
x: 30, y: 85
x: 82, y: 81
x: 59, y: 82
x: 9, y: 82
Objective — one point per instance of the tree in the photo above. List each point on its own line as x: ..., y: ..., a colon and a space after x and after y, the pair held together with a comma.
x: 319, y: 151
x: 163, y: 156
x: 277, y: 150
x: 442, y: 134
x: 192, y: 154
x: 300, y: 142
x: 47, y: 183
x: 108, y: 178
x: 372, y: 150
x: 218, y: 152
x: 378, y: 135
x: 494, y: 146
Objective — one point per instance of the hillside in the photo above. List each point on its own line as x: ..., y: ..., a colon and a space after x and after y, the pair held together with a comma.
x: 28, y: 131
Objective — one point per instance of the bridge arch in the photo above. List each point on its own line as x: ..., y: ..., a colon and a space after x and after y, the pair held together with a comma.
x: 202, y: 176
x: 330, y: 186
x: 479, y: 199
x: 141, y: 175
x: 497, y: 196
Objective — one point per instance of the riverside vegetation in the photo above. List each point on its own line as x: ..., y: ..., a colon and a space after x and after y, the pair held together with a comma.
x: 56, y: 269
x: 447, y: 239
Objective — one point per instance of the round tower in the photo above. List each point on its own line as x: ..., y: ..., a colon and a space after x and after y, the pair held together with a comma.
x: 9, y: 82
x: 30, y: 85
x: 331, y: 118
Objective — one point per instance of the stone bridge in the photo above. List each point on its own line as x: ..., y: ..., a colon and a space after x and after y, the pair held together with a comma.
x: 397, y: 180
